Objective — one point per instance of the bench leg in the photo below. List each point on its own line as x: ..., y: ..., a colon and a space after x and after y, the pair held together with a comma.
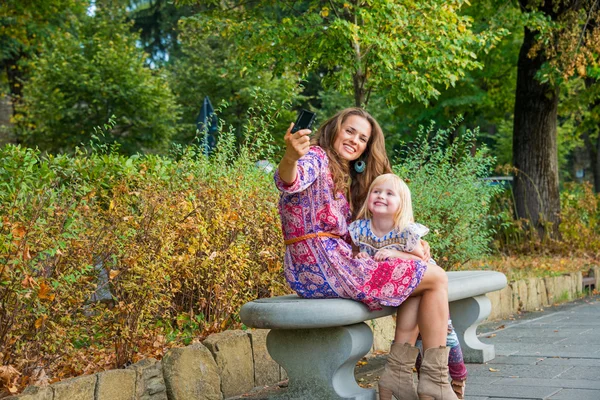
x: 466, y: 316
x: 320, y: 362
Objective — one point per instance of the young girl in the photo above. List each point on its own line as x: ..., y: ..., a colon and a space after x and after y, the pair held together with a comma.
x: 385, y: 229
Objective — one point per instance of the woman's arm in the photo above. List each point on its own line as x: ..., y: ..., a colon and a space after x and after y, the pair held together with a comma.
x: 296, y: 145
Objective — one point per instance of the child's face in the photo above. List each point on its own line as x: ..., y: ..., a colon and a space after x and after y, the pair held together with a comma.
x: 384, y: 200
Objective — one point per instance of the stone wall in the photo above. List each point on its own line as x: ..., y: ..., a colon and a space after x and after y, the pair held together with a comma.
x: 231, y: 363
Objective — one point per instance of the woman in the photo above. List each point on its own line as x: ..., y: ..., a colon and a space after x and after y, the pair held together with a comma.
x: 322, y: 182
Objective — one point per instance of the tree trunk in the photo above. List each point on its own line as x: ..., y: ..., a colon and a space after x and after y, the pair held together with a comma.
x: 535, y: 151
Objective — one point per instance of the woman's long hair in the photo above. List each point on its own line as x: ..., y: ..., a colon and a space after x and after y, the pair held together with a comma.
x: 374, y: 156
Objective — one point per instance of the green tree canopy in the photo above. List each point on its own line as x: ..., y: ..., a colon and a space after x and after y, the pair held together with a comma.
x: 409, y: 48
x: 87, y: 74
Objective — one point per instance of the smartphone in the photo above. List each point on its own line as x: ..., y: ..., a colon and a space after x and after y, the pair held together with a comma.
x: 304, y: 121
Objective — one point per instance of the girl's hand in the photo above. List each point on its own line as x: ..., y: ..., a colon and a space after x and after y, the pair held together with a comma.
x: 296, y: 144
x: 362, y: 254
x: 384, y: 254
x: 426, y: 251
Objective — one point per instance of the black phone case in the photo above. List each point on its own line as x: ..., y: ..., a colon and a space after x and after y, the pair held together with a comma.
x: 304, y: 121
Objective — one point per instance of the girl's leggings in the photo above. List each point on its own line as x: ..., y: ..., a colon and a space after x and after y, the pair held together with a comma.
x: 456, y: 364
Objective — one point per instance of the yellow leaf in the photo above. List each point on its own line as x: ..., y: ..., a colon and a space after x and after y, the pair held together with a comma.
x: 494, y: 370
x: 461, y: 28
x: 18, y: 231
x: 111, y: 205
x: 113, y: 274
x: 324, y: 12
x: 26, y: 254
x: 40, y: 321
x: 44, y: 292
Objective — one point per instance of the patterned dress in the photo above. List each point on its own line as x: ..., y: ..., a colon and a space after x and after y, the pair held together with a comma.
x: 322, y: 267
x: 405, y: 240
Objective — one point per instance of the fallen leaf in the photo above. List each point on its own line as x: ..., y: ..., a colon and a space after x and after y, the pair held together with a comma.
x: 40, y: 321
x: 494, y: 370
x: 491, y: 336
x: 44, y: 292
x: 18, y: 231
x: 26, y: 254
x: 113, y: 274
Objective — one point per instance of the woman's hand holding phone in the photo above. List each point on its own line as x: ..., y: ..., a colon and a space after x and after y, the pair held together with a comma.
x: 296, y: 144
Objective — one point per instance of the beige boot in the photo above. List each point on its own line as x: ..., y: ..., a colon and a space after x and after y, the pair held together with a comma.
x: 459, y: 388
x: 433, y: 379
x: 397, y: 378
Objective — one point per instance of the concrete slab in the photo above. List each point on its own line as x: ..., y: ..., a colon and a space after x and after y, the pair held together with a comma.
x: 516, y: 392
x: 590, y: 373
x: 546, y: 350
x: 578, y: 394
x: 532, y: 340
x: 514, y: 360
x: 581, y: 362
x: 560, y: 383
x: 520, y: 371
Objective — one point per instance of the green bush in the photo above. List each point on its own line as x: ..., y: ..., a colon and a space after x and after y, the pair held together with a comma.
x: 444, y: 170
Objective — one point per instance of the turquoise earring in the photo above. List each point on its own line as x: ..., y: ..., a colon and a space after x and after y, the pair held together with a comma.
x: 360, y: 166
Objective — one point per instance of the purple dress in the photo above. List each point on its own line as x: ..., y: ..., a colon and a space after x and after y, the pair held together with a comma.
x: 321, y: 267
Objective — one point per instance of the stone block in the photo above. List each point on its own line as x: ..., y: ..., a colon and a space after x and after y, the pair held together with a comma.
x: 577, y: 278
x: 496, y: 305
x: 191, y: 373
x: 116, y: 384
x: 266, y: 370
x: 563, y: 289
x: 506, y: 302
x: 384, y: 330
x: 550, y: 283
x: 533, y: 298
x: 150, y: 382
x: 34, y: 393
x: 233, y: 355
x: 519, y: 291
x: 80, y: 388
x: 543, y: 293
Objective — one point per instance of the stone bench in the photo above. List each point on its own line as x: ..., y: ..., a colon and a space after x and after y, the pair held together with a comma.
x: 319, y: 341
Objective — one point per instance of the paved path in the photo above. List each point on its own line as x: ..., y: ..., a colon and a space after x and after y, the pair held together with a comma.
x: 549, y: 355
x: 553, y: 355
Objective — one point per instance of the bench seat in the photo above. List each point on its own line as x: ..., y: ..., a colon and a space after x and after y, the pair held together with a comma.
x: 319, y: 341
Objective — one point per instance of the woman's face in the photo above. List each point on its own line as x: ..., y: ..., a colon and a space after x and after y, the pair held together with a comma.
x: 352, y: 138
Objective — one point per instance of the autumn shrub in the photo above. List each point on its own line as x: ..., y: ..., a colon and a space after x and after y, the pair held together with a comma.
x: 185, y: 240
x: 580, y: 219
x: 444, y: 170
x: 579, y: 226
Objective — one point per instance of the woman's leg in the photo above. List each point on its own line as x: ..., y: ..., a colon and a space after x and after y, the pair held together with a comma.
x: 407, y: 329
x: 432, y: 315
x: 397, y: 378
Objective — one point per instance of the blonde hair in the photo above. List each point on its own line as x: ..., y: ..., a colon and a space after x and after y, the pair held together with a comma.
x: 374, y: 156
x: 404, y: 214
